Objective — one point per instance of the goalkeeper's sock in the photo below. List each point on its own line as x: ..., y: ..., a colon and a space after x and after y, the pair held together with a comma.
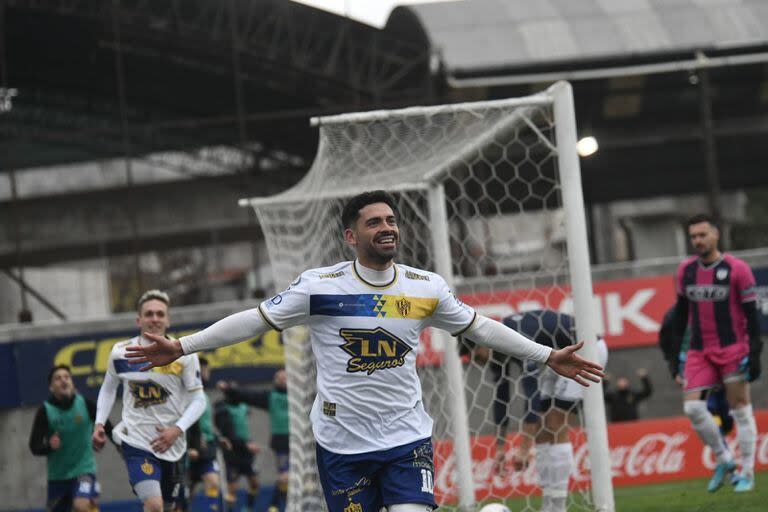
x: 706, y: 428
x: 746, y: 434
x: 561, y: 466
x: 543, y: 468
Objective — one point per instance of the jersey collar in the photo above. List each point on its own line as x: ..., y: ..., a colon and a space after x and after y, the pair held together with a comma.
x: 713, y: 264
x: 358, y: 274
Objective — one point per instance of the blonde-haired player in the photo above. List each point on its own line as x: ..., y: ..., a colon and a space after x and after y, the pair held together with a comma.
x: 158, y: 407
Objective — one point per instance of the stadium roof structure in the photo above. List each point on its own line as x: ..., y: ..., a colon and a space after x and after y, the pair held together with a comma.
x: 666, y: 86
x: 218, y: 93
x: 522, y: 36
x: 214, y: 95
x: 99, y: 78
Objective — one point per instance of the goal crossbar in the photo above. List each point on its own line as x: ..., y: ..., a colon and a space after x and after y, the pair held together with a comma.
x: 427, y: 179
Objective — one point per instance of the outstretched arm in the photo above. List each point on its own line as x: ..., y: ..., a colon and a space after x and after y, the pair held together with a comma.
x: 565, y: 361
x: 647, y: 389
x: 228, y: 331
x: 254, y: 398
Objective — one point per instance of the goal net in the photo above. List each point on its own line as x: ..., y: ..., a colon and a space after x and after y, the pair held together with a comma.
x: 489, y: 196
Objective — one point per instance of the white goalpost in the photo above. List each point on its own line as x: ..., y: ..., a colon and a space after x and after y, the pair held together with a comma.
x: 489, y: 196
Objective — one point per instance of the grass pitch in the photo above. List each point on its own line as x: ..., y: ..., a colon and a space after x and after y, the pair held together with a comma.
x: 692, y: 496
x: 685, y: 496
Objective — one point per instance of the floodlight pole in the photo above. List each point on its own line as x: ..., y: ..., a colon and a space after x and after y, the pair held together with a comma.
x: 583, y: 301
x: 462, y: 452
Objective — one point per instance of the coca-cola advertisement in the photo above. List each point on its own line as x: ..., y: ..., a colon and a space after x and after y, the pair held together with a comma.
x: 642, y: 452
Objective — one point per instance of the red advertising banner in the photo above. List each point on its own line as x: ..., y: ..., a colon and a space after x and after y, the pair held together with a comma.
x: 642, y: 452
x: 629, y: 310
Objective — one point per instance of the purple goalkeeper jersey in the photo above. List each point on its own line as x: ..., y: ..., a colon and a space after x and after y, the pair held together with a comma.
x: 715, y: 293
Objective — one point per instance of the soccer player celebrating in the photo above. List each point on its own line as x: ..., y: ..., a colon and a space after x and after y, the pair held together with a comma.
x: 158, y: 408
x: 373, y: 435
x: 716, y: 299
x: 62, y: 432
x: 551, y: 398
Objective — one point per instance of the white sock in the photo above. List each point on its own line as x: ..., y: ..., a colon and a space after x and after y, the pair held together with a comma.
x: 561, y: 466
x: 544, y: 469
x: 705, y: 426
x: 746, y: 434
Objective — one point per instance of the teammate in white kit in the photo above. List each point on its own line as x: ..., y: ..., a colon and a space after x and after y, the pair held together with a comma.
x: 365, y: 316
x: 158, y: 407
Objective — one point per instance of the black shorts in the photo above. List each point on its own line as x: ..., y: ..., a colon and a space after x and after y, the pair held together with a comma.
x: 239, y: 463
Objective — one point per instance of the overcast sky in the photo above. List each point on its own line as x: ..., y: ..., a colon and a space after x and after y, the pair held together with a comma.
x: 373, y: 12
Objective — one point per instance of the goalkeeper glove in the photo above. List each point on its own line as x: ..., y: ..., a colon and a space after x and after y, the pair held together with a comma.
x: 750, y: 365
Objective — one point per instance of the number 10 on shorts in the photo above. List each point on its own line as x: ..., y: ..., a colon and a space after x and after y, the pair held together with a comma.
x: 427, y: 483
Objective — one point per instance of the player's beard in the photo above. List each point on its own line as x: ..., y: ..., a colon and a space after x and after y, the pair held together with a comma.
x: 382, y: 256
x: 705, y: 253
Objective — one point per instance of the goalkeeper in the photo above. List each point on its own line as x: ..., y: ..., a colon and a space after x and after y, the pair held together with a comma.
x: 550, y: 400
x: 374, y: 446
x: 675, y: 349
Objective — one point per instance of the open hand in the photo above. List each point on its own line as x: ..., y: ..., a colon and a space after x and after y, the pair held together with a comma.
x: 166, y: 437
x: 568, y: 364
x: 160, y: 352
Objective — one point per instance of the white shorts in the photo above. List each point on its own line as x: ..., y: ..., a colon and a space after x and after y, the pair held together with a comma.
x: 553, y: 385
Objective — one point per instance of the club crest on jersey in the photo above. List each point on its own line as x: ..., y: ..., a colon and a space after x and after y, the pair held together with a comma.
x: 403, y: 306
x: 372, y: 350
x: 721, y: 273
x: 146, y: 393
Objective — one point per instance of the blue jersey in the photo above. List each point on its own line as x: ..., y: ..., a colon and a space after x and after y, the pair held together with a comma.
x: 544, y: 326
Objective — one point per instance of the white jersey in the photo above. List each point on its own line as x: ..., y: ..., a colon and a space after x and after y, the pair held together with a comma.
x: 154, y: 398
x: 365, y: 338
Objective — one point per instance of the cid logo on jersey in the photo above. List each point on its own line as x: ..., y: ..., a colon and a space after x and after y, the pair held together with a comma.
x: 372, y: 350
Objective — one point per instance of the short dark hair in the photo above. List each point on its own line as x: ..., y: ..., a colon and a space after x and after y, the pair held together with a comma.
x: 699, y: 218
x: 351, y: 211
x: 203, y: 361
x: 57, y: 368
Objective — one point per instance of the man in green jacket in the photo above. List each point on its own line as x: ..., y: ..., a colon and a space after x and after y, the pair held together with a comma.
x: 201, y: 450
x: 275, y: 402
x: 240, y: 452
x: 62, y: 432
